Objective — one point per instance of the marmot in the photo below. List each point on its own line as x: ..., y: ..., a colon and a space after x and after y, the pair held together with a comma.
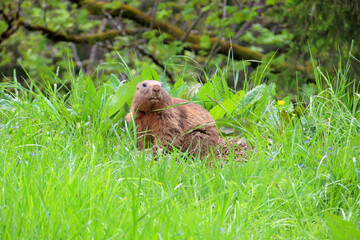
x: 165, y: 121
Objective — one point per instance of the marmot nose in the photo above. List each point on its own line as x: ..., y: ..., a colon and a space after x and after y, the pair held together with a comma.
x: 156, y: 89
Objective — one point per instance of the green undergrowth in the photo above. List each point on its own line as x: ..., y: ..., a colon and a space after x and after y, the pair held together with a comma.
x: 69, y: 168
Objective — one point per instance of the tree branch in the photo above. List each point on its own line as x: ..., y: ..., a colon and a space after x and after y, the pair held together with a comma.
x: 11, y: 20
x: 82, y: 38
x: 192, y: 26
x: 130, y: 12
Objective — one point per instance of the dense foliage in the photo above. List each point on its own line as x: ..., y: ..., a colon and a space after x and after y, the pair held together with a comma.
x: 44, y: 34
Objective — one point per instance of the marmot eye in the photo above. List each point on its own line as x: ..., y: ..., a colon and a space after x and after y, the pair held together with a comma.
x: 144, y: 84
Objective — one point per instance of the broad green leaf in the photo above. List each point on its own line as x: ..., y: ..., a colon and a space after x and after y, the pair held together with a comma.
x: 90, y: 91
x: 205, y: 91
x: 103, y: 94
x: 265, y: 104
x: 341, y: 229
x: 125, y: 93
x: 271, y: 115
x: 7, y: 97
x: 218, y: 111
x: 227, y: 106
x: 6, y: 101
x: 253, y: 95
x: 117, y: 101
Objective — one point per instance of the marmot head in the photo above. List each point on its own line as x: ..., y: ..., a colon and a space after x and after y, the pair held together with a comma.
x: 151, y: 96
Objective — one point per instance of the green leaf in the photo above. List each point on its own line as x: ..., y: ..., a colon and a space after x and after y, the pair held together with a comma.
x: 105, y: 91
x: 227, y: 106
x: 221, y: 84
x: 238, y: 127
x: 231, y: 9
x: 3, y: 26
x: 341, y: 229
x: 264, y: 106
x: 180, y: 88
x: 270, y: 114
x: 205, y: 42
x: 115, y: 82
x: 6, y: 101
x: 163, y: 12
x: 89, y: 105
x: 253, y: 95
x: 179, y: 82
x: 123, y: 95
x: 207, y: 90
x: 218, y: 111
x: 113, y: 5
x: 148, y: 73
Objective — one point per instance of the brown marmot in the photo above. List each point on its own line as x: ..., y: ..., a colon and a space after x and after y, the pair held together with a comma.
x: 165, y: 121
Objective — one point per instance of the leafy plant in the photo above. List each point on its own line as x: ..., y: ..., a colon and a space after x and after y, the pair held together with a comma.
x: 63, y: 175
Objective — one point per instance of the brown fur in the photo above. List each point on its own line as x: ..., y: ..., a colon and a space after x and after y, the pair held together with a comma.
x: 188, y: 127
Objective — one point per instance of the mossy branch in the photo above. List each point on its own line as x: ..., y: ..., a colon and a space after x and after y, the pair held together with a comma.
x: 82, y: 38
x: 130, y: 12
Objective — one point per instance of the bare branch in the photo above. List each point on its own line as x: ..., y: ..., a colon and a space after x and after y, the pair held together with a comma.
x: 192, y: 27
x: 242, y: 30
x: 94, y: 48
x: 76, y: 56
x: 153, y: 12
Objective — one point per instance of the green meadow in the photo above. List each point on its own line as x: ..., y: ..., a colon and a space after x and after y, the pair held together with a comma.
x: 69, y: 167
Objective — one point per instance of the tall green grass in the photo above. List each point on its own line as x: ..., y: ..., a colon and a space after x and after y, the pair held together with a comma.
x: 68, y: 170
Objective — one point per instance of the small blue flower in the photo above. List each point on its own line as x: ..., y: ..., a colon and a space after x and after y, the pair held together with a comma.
x: 222, y: 230
x: 270, y: 158
x: 301, y: 165
x: 33, y: 154
x: 306, y: 142
x: 274, y: 153
x: 324, y: 165
x: 330, y: 148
